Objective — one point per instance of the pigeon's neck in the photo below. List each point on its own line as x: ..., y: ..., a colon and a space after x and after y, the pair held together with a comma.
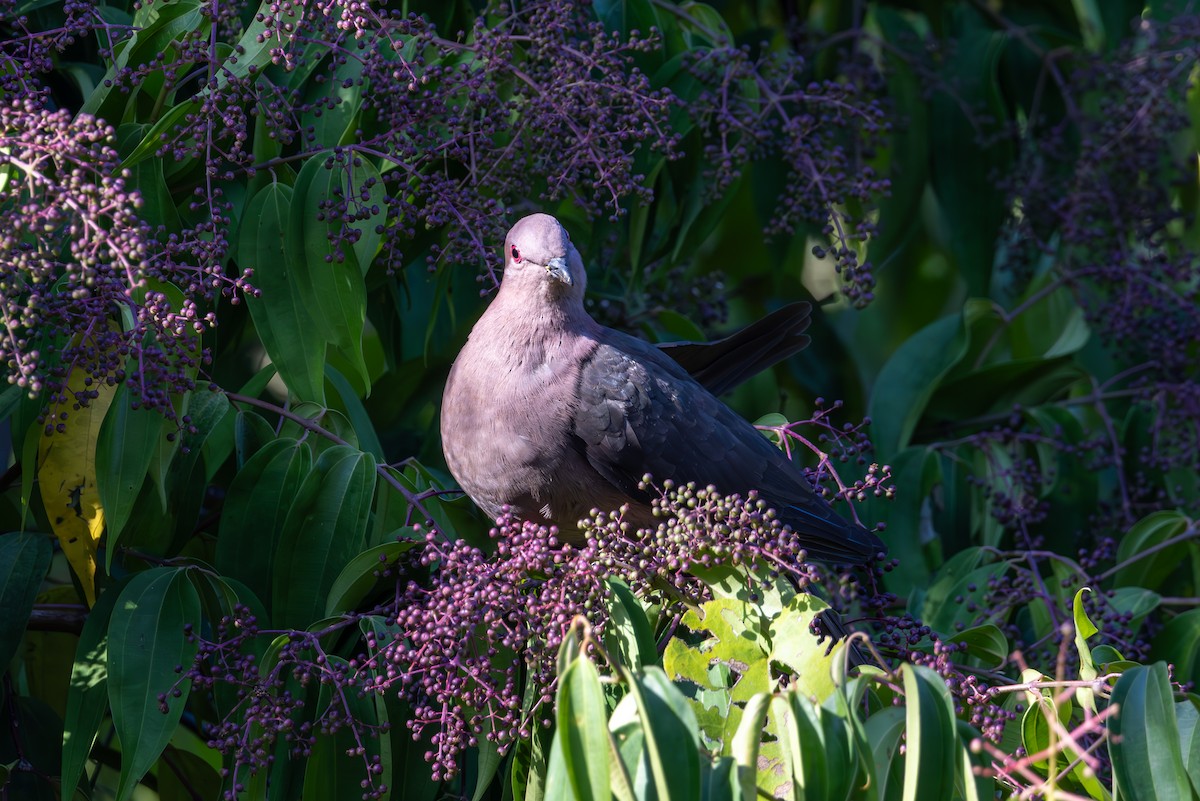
x: 534, y: 331
x: 544, y: 306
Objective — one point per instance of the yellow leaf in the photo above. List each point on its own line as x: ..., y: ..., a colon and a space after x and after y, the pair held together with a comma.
x: 67, y: 477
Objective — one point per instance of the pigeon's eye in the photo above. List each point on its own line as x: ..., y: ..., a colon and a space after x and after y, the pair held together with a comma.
x: 516, y: 254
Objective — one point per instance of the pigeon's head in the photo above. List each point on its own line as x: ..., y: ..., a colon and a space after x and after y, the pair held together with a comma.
x: 538, y: 252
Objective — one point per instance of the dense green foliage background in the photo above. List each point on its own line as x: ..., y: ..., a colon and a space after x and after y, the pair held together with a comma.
x: 240, y: 246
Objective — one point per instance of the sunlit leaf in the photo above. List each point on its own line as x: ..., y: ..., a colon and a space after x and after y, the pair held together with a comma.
x: 150, y: 648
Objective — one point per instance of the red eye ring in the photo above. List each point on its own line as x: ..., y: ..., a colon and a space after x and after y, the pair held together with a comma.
x: 516, y: 254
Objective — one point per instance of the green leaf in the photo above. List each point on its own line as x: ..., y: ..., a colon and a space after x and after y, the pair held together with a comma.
x: 332, y: 280
x: 628, y: 631
x: 795, y: 647
x: 335, y: 770
x: 324, y: 529
x: 284, y: 311
x: 147, y: 642
x: 1091, y: 24
x: 356, y: 413
x: 331, y: 106
x: 374, y: 213
x: 958, y: 597
x: 932, y: 736
x: 361, y: 575
x: 1152, y: 569
x: 908, y: 380
x: 1084, y: 628
x: 1144, y: 742
x: 125, y: 447
x: 745, y: 746
x: 256, y: 506
x: 908, y: 151
x: 884, y: 734
x: 986, y: 643
x: 817, y: 747
x: 1054, y: 326
x: 186, y: 776
x: 672, y: 736
x: 87, y: 694
x: 915, y: 472
x: 159, y: 132
x: 1188, y: 718
x: 1179, y: 644
x: 964, y: 169
x: 24, y: 560
x: 253, y: 49
x: 1037, y: 732
x: 582, y: 731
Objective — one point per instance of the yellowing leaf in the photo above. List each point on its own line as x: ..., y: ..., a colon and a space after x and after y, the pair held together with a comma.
x: 67, y: 477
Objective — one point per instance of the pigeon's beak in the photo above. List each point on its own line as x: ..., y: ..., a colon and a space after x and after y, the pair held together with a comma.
x: 558, y: 270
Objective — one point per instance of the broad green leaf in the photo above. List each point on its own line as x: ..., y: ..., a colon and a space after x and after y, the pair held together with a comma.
x: 959, y: 593
x: 582, y: 731
x: 818, y: 749
x: 87, y: 695
x: 253, y: 49
x: 908, y: 152
x: 915, y: 471
x: 24, y: 560
x: 373, y: 211
x: 147, y: 643
x: 1091, y: 24
x: 251, y: 433
x: 156, y: 28
x: 1054, y: 326
x: 558, y: 786
x: 1151, y: 532
x: 185, y: 776
x: 796, y: 648
x: 734, y: 645
x: 10, y: 396
x: 127, y: 442
x: 966, y: 160
x: 931, y: 759
x: 628, y: 631
x: 324, y: 529
x: 284, y: 313
x: 333, y: 283
x: 256, y: 506
x: 361, y: 575
x: 335, y: 770
x: 1188, y: 717
x: 672, y: 736
x: 1038, y: 733
x: 909, y: 379
x: 884, y: 734
x: 1144, y: 739
x: 975, y: 782
x: 356, y: 413
x: 1179, y: 644
x: 487, y: 764
x: 331, y: 106
x: 159, y: 133
x: 986, y: 643
x: 745, y: 746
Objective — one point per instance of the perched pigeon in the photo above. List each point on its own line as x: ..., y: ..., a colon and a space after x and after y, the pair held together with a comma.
x: 552, y: 414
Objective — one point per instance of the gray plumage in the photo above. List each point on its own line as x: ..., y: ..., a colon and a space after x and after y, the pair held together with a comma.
x: 552, y: 414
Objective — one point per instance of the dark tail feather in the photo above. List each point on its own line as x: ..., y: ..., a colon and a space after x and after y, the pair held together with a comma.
x: 829, y: 538
x: 723, y: 364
